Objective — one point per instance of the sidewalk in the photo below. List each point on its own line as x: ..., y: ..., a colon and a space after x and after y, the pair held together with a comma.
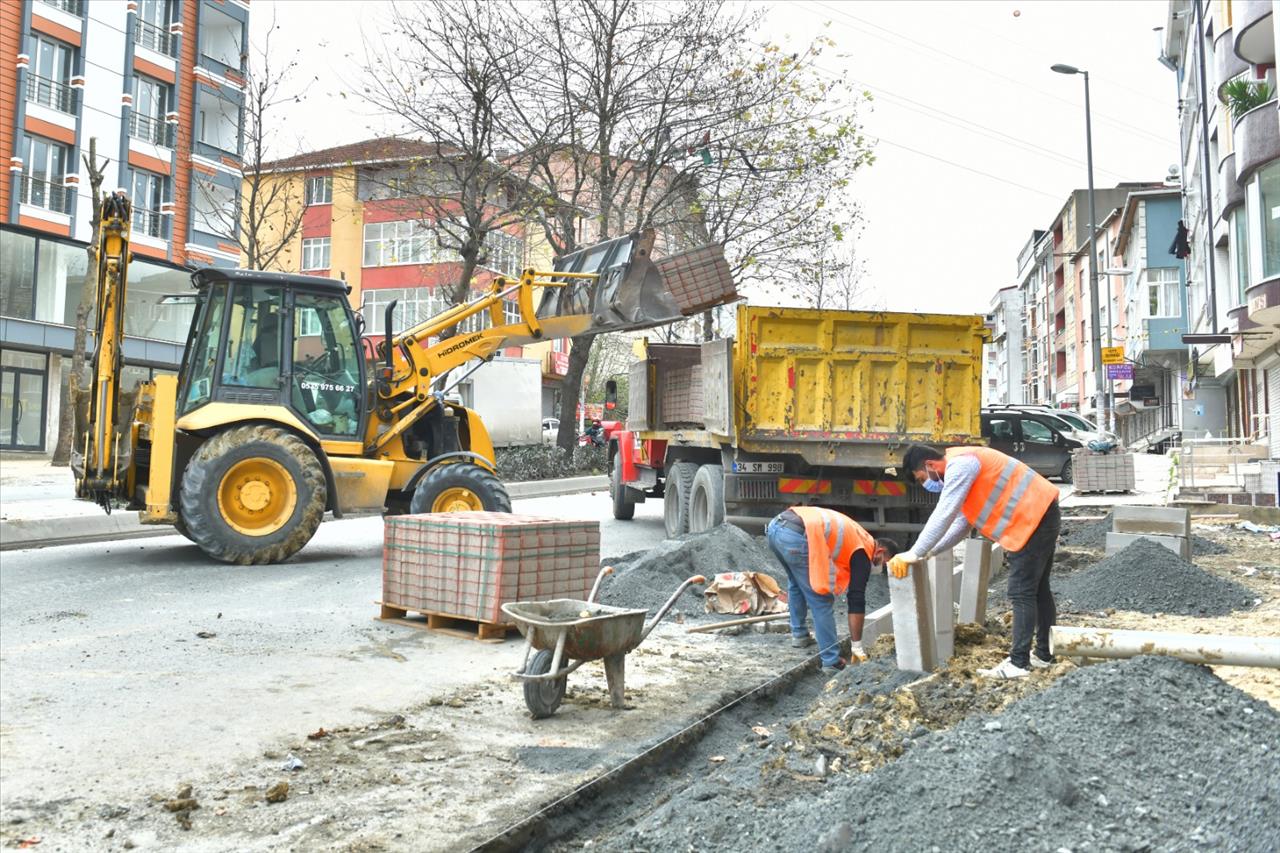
x: 1152, y: 478
x: 38, y: 506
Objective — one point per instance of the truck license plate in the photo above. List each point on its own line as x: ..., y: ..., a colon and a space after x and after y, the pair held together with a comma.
x: 758, y: 467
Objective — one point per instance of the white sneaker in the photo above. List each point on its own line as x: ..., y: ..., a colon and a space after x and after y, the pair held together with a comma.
x: 1039, y: 663
x: 1005, y: 669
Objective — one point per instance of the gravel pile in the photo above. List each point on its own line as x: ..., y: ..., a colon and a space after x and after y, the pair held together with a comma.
x: 645, y: 579
x: 1092, y: 536
x: 1150, y: 578
x: 1147, y: 754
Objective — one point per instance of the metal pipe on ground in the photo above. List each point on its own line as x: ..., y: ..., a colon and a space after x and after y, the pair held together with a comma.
x: 1216, y: 649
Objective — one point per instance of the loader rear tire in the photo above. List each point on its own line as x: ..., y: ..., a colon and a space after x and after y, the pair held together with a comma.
x: 460, y: 487
x: 253, y: 495
x: 675, y: 499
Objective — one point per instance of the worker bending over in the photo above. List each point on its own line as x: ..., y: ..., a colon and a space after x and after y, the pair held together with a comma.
x: 826, y: 554
x: 1008, y: 503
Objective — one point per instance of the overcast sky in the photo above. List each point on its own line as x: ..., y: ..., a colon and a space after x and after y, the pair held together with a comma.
x: 978, y: 141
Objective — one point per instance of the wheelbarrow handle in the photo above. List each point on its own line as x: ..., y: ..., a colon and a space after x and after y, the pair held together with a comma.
x: 595, y: 587
x: 662, y: 611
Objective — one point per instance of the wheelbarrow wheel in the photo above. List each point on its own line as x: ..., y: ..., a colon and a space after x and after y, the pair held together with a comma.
x: 543, y: 697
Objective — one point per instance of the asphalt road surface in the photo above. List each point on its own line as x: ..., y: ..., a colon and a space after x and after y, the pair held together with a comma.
x: 107, y: 687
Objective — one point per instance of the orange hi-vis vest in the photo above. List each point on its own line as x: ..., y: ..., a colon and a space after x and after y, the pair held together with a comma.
x: 1007, y: 500
x: 832, y: 537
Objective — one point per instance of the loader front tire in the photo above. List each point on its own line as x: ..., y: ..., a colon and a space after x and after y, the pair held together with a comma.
x: 252, y: 495
x: 460, y: 487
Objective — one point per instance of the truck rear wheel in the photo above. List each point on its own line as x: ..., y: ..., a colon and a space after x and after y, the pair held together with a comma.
x: 460, y: 487
x: 624, y: 508
x: 253, y: 495
x: 675, y: 498
x: 706, y: 499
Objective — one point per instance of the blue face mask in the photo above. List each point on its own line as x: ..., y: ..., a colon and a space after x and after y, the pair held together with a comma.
x: 934, y: 486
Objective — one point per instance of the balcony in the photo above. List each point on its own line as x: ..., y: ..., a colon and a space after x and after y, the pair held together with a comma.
x: 1257, y: 136
x: 1229, y: 64
x: 149, y: 222
x: 150, y: 129
x: 1230, y: 192
x: 51, y: 93
x: 1255, y: 40
x: 1263, y: 300
x: 47, y: 194
x: 154, y: 38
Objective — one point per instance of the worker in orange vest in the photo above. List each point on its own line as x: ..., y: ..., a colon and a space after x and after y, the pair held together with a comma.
x: 1008, y: 503
x: 826, y: 554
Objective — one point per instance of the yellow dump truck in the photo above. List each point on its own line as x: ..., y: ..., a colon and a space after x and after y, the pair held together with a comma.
x: 802, y: 406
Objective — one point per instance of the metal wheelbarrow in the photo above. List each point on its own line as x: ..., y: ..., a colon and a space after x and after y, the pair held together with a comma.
x: 567, y: 633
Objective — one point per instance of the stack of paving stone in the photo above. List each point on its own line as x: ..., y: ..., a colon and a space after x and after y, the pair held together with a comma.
x: 1102, y: 472
x: 468, y: 564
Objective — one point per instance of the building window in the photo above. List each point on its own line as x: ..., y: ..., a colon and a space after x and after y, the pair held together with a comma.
x: 217, y: 121
x: 1269, y: 196
x: 319, y: 190
x: 151, y: 29
x: 393, y: 243
x: 71, y: 7
x: 415, y: 305
x: 44, y: 168
x: 315, y: 253
x: 505, y: 253
x: 151, y: 100
x: 1162, y: 293
x: 150, y: 191
x: 49, y: 78
x: 221, y: 37
x: 1240, y: 251
x: 214, y: 209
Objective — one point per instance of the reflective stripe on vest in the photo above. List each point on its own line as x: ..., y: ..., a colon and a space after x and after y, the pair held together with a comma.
x: 1007, y: 500
x: 832, y: 538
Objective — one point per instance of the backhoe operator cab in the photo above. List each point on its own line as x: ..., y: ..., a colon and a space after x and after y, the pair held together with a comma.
x: 271, y: 338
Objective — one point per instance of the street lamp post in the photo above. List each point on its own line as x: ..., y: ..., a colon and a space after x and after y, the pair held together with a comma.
x: 1098, y: 371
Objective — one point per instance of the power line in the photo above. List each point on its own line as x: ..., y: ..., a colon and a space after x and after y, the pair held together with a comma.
x: 1116, y: 122
x: 1002, y: 180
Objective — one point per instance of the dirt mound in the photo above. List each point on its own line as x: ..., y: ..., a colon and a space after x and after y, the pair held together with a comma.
x: 1135, y: 755
x: 1150, y: 578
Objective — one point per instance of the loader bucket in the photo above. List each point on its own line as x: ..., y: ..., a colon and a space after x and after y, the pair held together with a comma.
x: 633, y: 291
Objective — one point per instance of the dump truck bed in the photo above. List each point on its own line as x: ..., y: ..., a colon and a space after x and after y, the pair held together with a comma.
x: 860, y: 376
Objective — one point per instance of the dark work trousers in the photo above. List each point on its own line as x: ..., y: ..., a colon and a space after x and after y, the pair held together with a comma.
x: 1033, y: 608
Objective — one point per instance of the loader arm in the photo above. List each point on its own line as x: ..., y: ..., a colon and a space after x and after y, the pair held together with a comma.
x: 611, y: 286
x: 105, y: 445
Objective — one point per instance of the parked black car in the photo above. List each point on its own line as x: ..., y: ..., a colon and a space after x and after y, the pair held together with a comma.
x: 1032, y: 438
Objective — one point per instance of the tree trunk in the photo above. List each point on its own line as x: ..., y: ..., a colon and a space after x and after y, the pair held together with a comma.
x: 579, y: 355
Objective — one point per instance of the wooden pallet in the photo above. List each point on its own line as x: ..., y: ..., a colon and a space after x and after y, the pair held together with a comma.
x: 470, y: 629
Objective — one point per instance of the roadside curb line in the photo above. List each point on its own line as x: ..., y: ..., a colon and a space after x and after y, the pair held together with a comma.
x: 77, y: 530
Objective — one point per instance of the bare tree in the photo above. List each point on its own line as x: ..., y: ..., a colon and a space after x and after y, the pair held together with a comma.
x: 671, y: 116
x: 448, y: 89
x: 832, y: 278
x: 78, y: 383
x: 268, y: 220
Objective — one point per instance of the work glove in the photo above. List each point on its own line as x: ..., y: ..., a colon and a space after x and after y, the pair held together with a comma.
x: 857, y: 654
x: 899, y: 564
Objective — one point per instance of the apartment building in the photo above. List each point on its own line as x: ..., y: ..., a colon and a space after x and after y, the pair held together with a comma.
x: 1003, y: 367
x: 159, y: 85
x: 364, y: 219
x: 1035, y: 272
x: 1230, y: 132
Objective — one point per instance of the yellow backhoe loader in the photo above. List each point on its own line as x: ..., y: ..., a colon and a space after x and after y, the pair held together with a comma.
x: 276, y: 416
